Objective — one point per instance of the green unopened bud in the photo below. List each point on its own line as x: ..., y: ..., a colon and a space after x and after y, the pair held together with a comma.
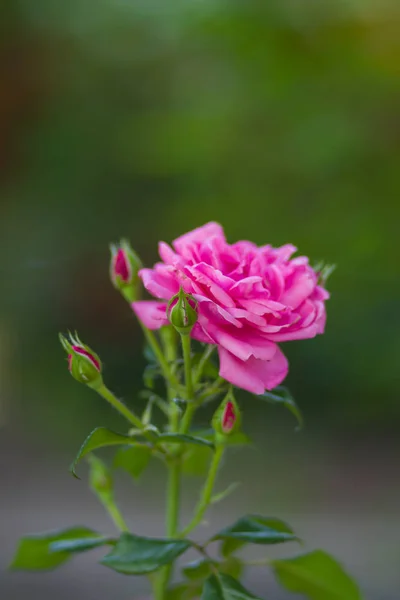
x: 83, y: 364
x: 124, y: 268
x: 227, y: 417
x: 100, y: 479
x: 182, y: 313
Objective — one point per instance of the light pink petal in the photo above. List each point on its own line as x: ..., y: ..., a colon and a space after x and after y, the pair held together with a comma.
x: 201, y: 335
x: 151, y: 313
x: 243, y: 343
x: 167, y: 254
x: 275, y: 281
x: 197, y: 236
x: 251, y: 318
x: 248, y: 287
x: 300, y: 261
x: 321, y: 293
x: 216, y: 252
x: 259, y: 306
x: 274, y: 371
x: 321, y: 317
x: 253, y: 375
x: 283, y: 253
x: 297, y: 332
x: 160, y: 281
x: 212, y: 279
x: 238, y: 372
x: 299, y: 286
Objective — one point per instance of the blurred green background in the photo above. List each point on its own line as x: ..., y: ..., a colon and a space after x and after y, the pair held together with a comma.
x: 145, y: 118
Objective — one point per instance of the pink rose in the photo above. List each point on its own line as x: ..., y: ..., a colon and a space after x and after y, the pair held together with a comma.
x: 249, y: 298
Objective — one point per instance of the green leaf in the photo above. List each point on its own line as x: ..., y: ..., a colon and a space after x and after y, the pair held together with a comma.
x: 98, y: 438
x: 236, y: 439
x: 135, y: 555
x: 316, y: 575
x: 324, y: 271
x: 134, y: 459
x: 181, y: 438
x: 225, y: 587
x: 232, y: 566
x: 196, y: 461
x: 184, y: 591
x: 222, y: 495
x: 80, y: 545
x: 230, y: 545
x: 199, y: 569
x: 281, y: 395
x: 257, y: 530
x: 43, y: 551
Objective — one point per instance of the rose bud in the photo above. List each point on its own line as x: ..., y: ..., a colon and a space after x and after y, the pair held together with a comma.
x: 227, y: 418
x: 83, y: 363
x: 181, y: 312
x: 124, y: 268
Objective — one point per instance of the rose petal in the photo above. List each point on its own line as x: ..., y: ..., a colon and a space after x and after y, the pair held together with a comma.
x: 253, y: 375
x: 160, y: 281
x: 212, y: 279
x: 299, y: 286
x: 151, y: 313
x: 167, y: 254
x: 296, y: 332
x: 197, y: 236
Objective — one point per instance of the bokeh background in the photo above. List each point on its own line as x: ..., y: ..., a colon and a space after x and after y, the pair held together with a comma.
x: 144, y: 119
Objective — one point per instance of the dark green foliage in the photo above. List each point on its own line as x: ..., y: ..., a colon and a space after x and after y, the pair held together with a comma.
x: 47, y: 551
x: 225, y: 587
x: 99, y: 438
x: 317, y: 576
x: 136, y: 555
x: 257, y: 530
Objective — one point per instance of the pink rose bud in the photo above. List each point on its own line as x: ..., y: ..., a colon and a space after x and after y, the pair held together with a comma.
x: 181, y: 312
x: 227, y: 418
x: 124, y: 268
x: 83, y: 364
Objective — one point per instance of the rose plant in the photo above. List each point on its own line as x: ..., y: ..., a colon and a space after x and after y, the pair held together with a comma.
x: 239, y: 301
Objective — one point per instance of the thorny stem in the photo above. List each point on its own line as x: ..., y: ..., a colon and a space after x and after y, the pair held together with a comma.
x: 202, y: 362
x: 115, y: 514
x: 187, y: 417
x: 124, y: 411
x: 206, y: 493
x: 166, y: 371
x: 187, y: 359
x: 174, y: 470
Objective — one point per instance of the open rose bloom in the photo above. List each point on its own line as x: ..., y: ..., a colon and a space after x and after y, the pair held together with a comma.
x: 249, y: 299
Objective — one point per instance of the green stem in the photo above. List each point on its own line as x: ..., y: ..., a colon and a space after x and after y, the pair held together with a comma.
x: 187, y: 417
x: 173, y: 494
x: 174, y: 473
x: 190, y: 406
x: 206, y: 493
x: 187, y: 359
x: 214, y: 389
x: 123, y: 410
x: 166, y: 371
x: 173, y: 499
x: 120, y: 407
x: 114, y: 513
x: 202, y: 362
